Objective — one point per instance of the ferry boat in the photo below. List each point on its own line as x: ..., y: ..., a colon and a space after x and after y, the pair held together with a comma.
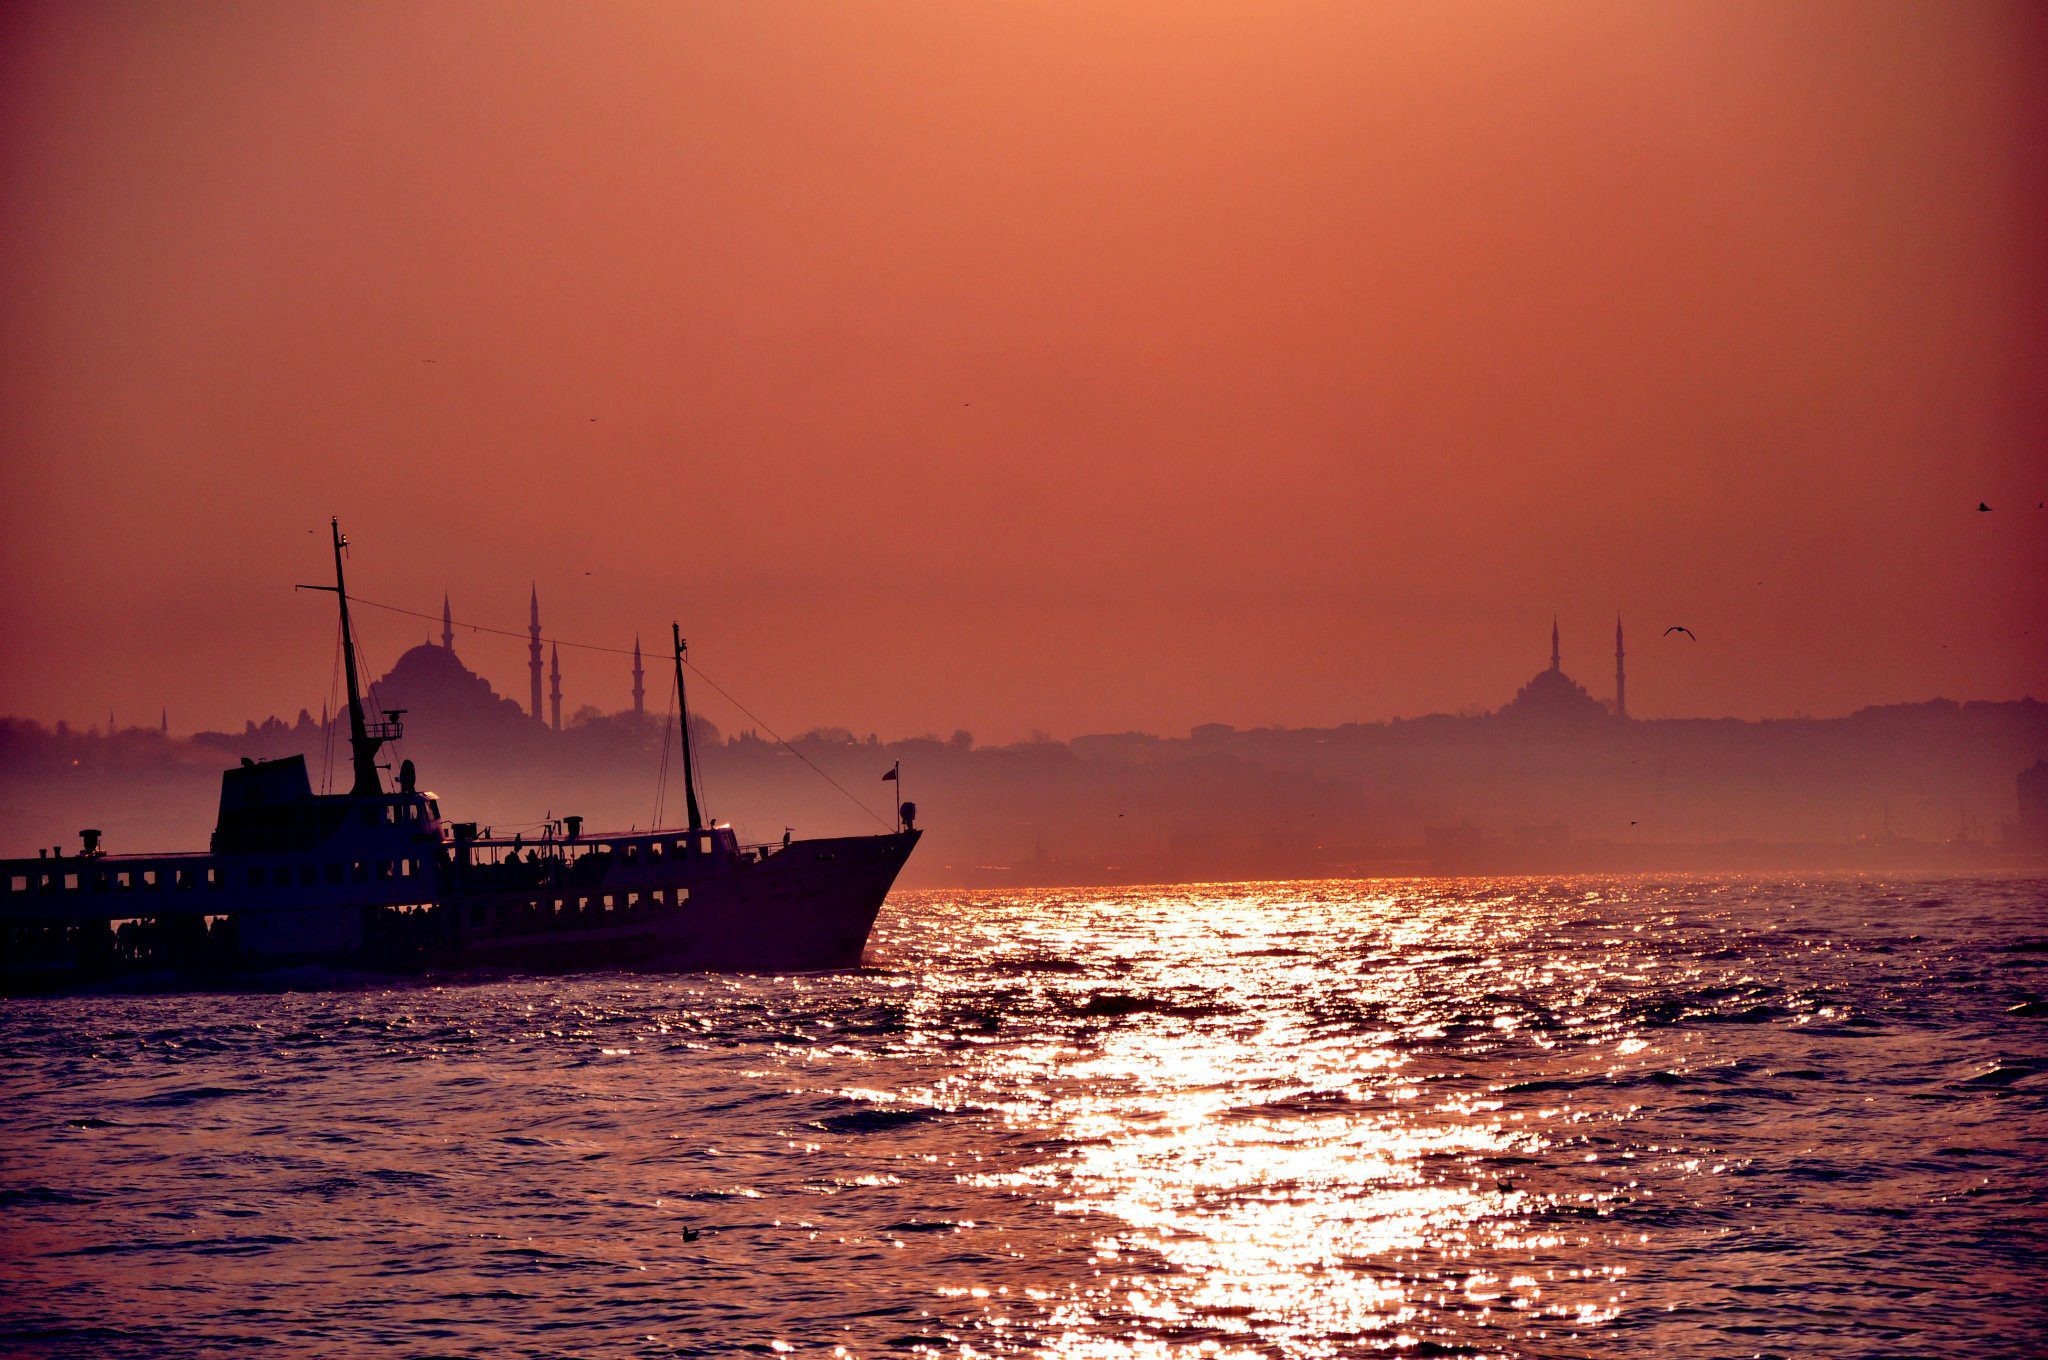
x: 377, y: 879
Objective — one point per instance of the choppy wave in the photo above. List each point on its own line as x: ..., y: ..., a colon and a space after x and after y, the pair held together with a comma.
x: 1568, y: 1117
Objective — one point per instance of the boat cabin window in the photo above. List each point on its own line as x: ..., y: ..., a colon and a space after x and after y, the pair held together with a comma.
x: 704, y: 843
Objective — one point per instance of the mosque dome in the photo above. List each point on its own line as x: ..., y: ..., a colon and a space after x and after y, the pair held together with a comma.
x: 443, y: 696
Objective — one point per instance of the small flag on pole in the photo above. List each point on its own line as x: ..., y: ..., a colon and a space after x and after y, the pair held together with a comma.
x: 892, y: 772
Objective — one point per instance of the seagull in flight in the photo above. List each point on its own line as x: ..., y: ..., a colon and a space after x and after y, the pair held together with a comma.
x: 1679, y: 628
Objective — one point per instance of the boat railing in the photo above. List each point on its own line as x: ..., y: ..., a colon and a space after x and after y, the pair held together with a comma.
x: 491, y: 863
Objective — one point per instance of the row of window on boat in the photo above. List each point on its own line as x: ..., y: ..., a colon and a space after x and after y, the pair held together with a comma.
x: 216, y: 876
x: 566, y: 913
x: 590, y: 864
x: 628, y: 852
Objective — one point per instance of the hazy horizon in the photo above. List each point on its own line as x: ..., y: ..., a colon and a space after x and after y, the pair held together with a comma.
x: 509, y: 680
x: 1082, y: 369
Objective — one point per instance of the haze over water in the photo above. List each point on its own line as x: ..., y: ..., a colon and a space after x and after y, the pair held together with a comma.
x: 1513, y: 1117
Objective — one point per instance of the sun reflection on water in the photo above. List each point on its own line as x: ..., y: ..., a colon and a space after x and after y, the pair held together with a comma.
x: 1292, y: 1165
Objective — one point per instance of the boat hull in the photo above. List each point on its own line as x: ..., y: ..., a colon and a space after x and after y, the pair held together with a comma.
x: 808, y: 908
x: 800, y: 907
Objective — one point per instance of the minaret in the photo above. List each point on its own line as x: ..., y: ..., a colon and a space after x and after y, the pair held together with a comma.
x: 1555, y: 662
x: 555, y: 683
x: 639, y: 684
x: 1620, y: 674
x: 447, y: 625
x: 533, y: 650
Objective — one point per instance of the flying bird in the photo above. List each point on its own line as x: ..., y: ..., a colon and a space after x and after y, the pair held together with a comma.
x: 1982, y: 508
x: 1679, y: 628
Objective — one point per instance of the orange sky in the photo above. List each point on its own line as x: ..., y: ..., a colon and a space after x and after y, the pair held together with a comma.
x: 1072, y: 366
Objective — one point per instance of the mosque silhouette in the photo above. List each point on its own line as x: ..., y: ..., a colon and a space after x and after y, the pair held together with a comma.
x: 1554, y: 697
x: 446, y: 697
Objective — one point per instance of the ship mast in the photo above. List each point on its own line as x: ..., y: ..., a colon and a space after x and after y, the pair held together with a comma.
x: 683, y: 716
x: 363, y: 737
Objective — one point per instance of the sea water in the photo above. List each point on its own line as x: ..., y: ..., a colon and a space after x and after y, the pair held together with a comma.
x: 1671, y: 1117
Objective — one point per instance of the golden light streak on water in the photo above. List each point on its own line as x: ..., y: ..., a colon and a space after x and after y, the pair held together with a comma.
x: 1276, y: 1168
